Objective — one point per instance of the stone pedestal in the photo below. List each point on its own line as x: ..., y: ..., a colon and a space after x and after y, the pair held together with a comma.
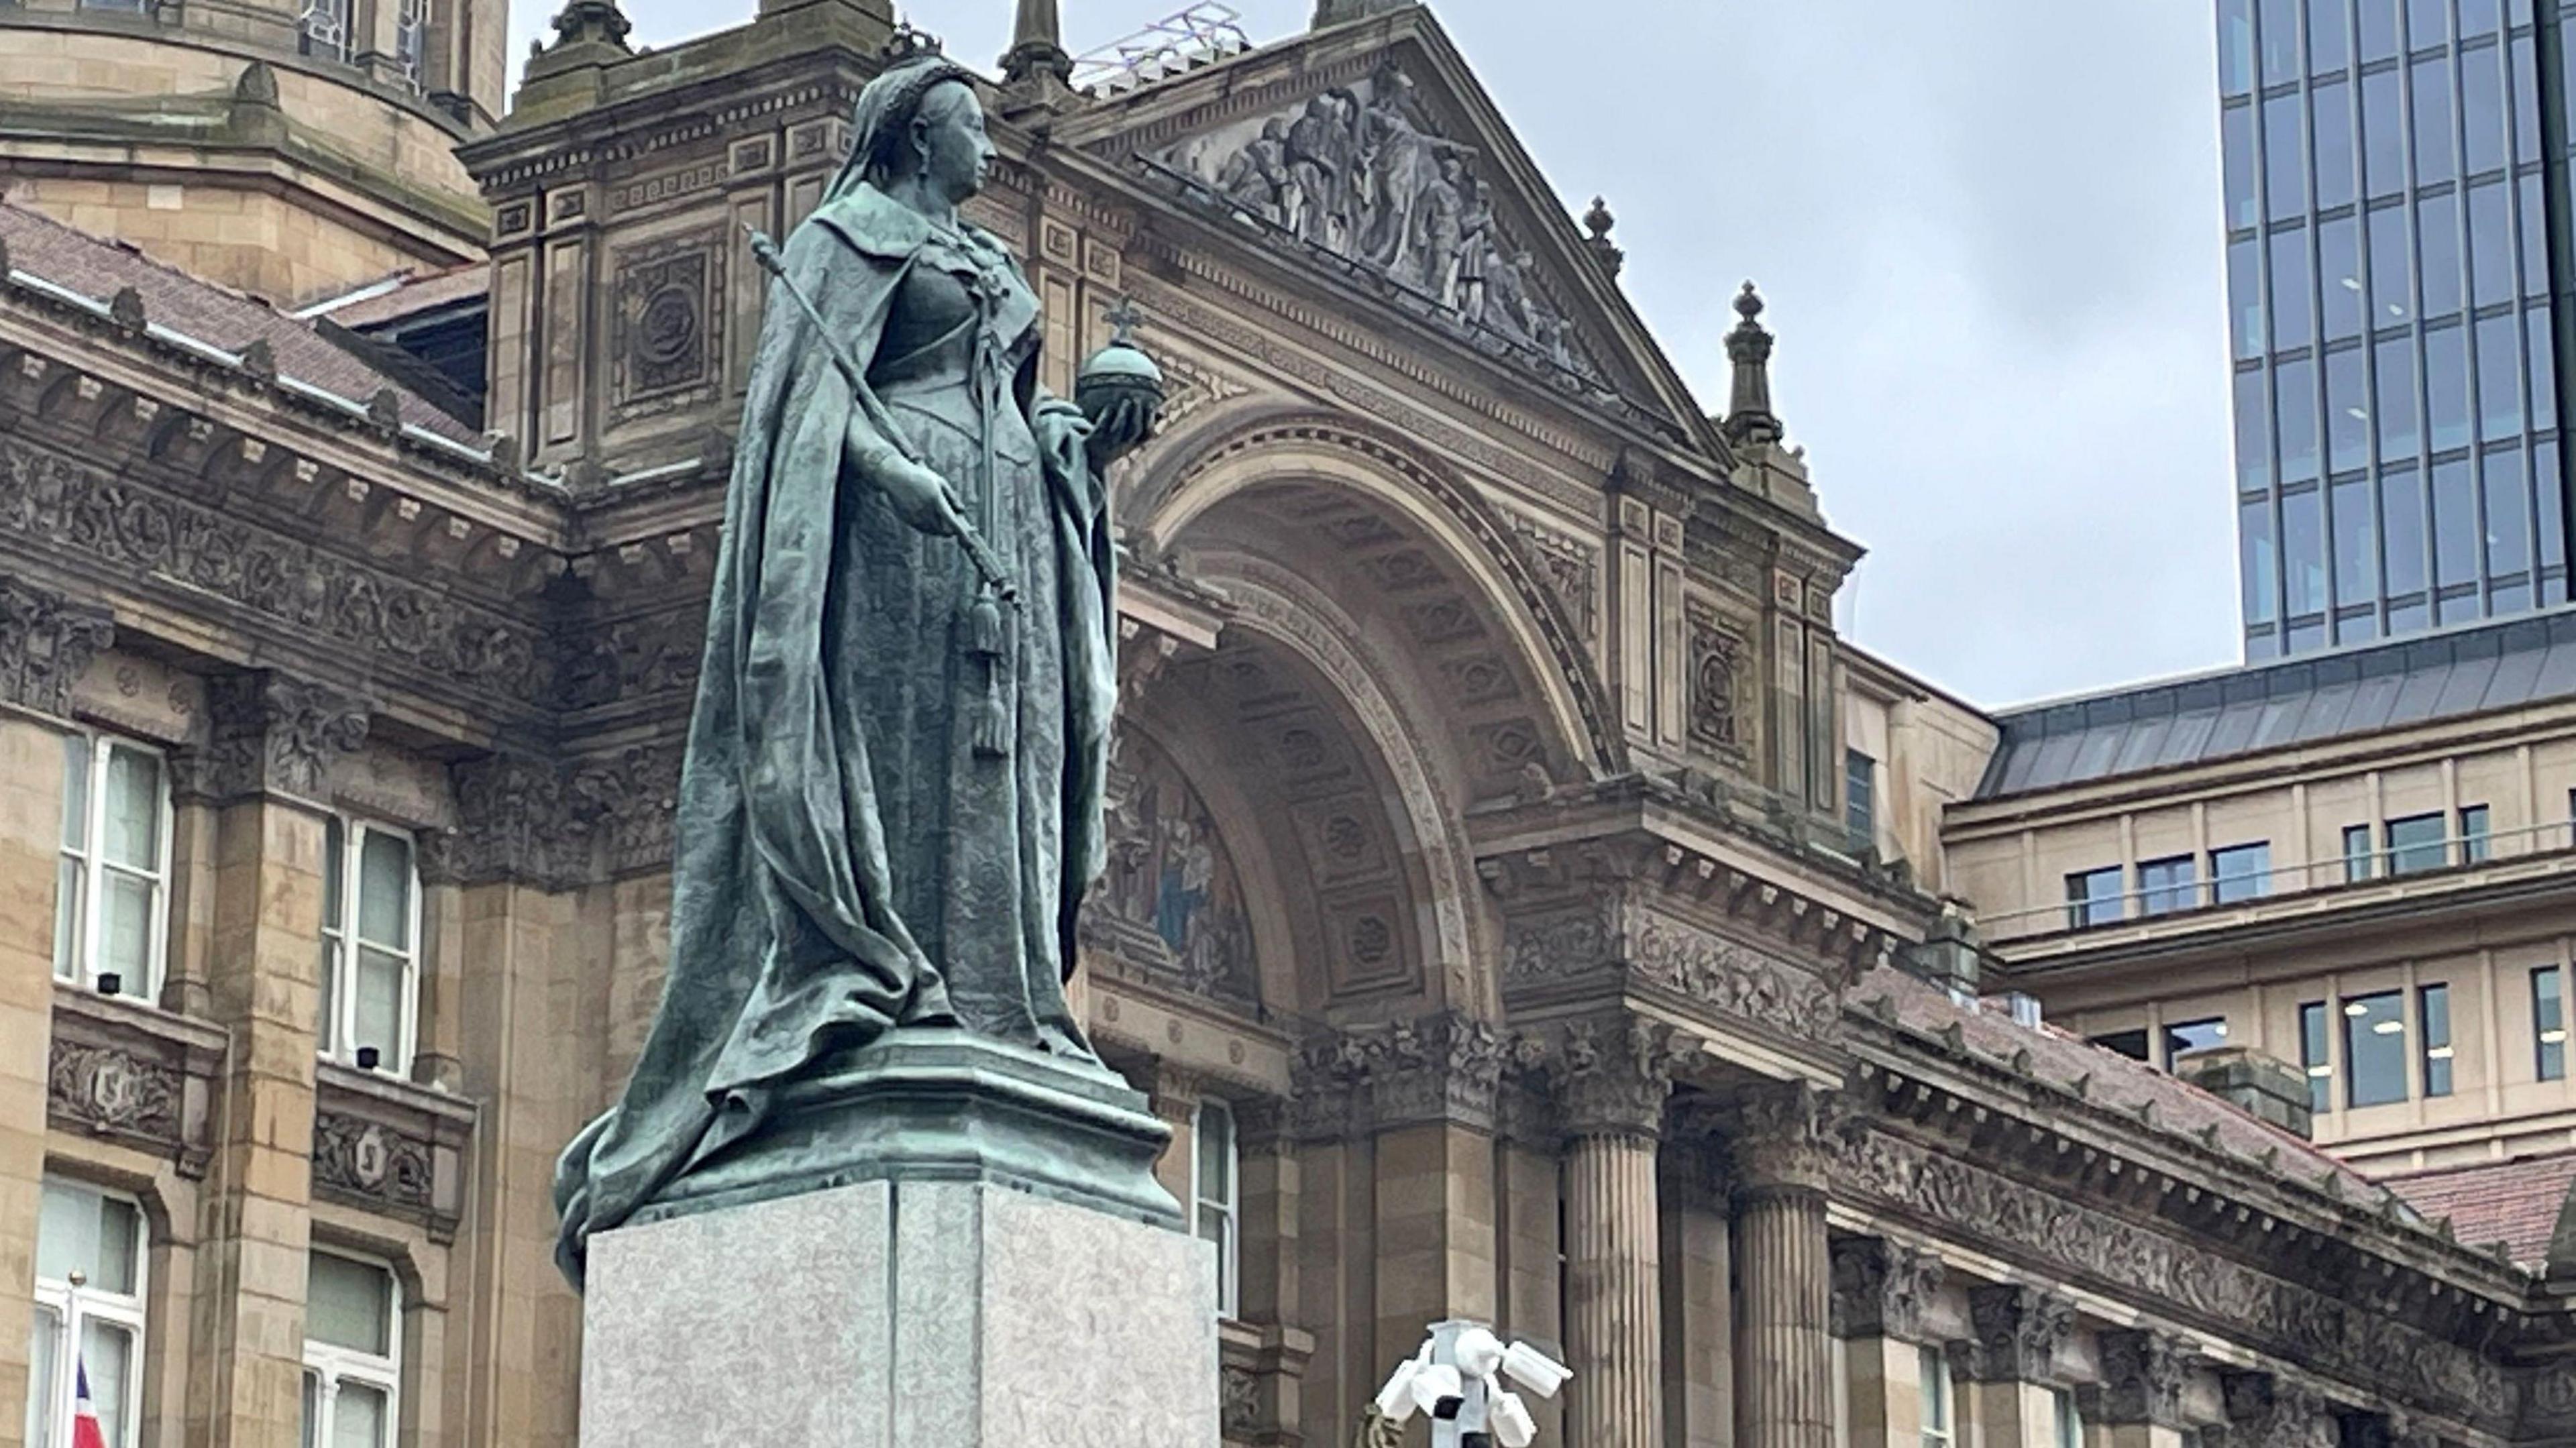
x: 901, y: 1314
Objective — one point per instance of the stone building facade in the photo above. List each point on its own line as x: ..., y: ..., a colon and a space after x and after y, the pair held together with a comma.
x: 1487, y: 916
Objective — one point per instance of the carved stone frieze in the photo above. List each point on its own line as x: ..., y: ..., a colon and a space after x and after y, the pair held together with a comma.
x: 1734, y: 980
x: 77, y: 511
x: 1443, y: 1068
x: 2081, y: 1244
x: 2266, y: 1412
x: 1787, y: 1136
x: 2020, y: 1331
x: 122, y: 1071
x: 1364, y: 175
x: 1719, y: 709
x: 46, y: 643
x: 392, y: 1148
x: 270, y: 733
x: 516, y: 819
x: 1883, y: 1288
x: 2143, y: 1377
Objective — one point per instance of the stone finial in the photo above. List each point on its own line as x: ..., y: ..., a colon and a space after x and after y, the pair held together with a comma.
x: 256, y: 86
x: 259, y: 361
x: 1336, y: 12
x: 125, y: 309
x: 1037, y: 60
x: 384, y: 411
x: 1597, y: 223
x: 597, y: 21
x: 1748, y: 412
x: 46, y: 644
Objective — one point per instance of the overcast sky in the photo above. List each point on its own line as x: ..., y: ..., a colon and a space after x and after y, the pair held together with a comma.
x: 1988, y: 230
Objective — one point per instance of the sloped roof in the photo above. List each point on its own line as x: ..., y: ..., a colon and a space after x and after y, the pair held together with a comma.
x: 2112, y: 1081
x: 408, y: 295
x: 94, y: 267
x: 2341, y: 694
x: 2514, y: 1202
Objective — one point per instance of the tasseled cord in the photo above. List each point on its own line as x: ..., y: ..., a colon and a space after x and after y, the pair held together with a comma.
x: 984, y: 639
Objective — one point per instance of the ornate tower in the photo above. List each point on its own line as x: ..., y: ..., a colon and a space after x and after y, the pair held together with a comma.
x: 290, y: 148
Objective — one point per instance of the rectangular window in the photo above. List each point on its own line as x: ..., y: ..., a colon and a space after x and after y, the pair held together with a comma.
x: 91, y: 1251
x: 2356, y: 547
x: 2428, y: 22
x: 2166, y: 885
x: 2132, y: 1044
x: 2347, y: 412
x: 2303, y: 553
x: 2482, y: 113
x: 2432, y: 85
x: 2508, y: 513
x: 2294, y: 395
x: 2253, y: 433
x: 2285, y: 159
x: 2473, y: 834
x: 2279, y: 38
x: 2329, y: 39
x: 2312, y: 1056
x: 2245, y: 297
x: 2525, y: 70
x: 322, y: 28
x: 2293, y: 314
x: 2236, y: 167
x: 2395, y: 398
x: 2379, y: 35
x: 2330, y: 124
x: 2455, y: 524
x: 2356, y: 854
x: 1860, y: 796
x: 2417, y: 843
x: 411, y: 26
x: 2549, y: 1023
x: 2241, y: 872
x: 2070, y: 1419
x: 2383, y: 136
x: 2499, y: 351
x: 2401, y: 523
x: 1218, y: 1172
x: 2347, y: 308
x: 2185, y: 1037
x: 2438, y: 253
x: 2490, y: 245
x: 370, y: 947
x: 1939, y: 1427
x: 110, y: 918
x: 2255, y: 559
x: 2093, y: 898
x: 2374, y: 1049
x: 2433, y: 1018
x: 2235, y: 47
x: 352, y: 1353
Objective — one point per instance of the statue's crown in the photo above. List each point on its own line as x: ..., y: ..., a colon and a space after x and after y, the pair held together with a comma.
x: 907, y: 44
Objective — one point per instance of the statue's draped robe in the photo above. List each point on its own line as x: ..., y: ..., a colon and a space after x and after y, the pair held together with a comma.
x: 848, y: 860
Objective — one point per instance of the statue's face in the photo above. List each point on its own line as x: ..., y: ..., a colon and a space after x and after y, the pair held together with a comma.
x: 956, y: 154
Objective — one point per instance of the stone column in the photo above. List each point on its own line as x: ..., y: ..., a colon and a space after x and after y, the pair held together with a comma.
x: 1272, y: 1184
x: 1882, y: 1293
x: 1698, y: 1288
x: 2138, y: 1403
x: 1784, y: 1359
x: 2012, y: 1361
x: 46, y: 643
x: 1616, y: 1082
x: 1432, y: 1088
x: 272, y: 740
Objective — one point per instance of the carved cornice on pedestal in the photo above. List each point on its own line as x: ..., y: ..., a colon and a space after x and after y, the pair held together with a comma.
x: 2143, y: 1376
x: 1883, y: 1289
x: 1614, y: 1078
x: 1786, y: 1136
x: 2020, y: 1332
x: 270, y: 733
x: 46, y: 643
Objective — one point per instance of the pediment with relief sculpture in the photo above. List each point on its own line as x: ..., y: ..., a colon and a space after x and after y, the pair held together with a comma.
x: 1371, y: 153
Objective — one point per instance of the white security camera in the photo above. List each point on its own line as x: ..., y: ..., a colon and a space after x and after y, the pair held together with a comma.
x: 1395, y: 1401
x: 1511, y: 1419
x: 1535, y: 1370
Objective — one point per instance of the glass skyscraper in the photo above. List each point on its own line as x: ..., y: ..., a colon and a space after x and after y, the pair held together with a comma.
x: 2396, y: 189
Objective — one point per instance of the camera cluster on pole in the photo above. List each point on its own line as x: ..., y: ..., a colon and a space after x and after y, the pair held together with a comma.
x: 1456, y: 1379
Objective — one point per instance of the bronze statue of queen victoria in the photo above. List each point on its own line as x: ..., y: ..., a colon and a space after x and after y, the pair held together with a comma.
x: 891, y: 804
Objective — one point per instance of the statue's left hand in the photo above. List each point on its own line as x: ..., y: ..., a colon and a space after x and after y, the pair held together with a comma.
x: 1120, y: 429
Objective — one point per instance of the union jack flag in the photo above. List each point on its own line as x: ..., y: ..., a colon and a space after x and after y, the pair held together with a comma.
x: 85, y: 1429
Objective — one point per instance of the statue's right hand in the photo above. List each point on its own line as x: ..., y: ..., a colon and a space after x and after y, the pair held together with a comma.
x: 921, y: 497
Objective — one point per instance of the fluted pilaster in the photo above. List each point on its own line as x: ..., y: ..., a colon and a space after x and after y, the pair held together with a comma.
x: 1614, y: 1262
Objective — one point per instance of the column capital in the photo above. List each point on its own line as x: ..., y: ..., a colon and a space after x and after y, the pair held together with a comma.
x: 1443, y: 1068
x: 516, y: 820
x: 46, y: 644
x: 2020, y: 1332
x: 1883, y: 1288
x: 270, y: 733
x: 1786, y: 1136
x: 2143, y: 1373
x: 1613, y: 1078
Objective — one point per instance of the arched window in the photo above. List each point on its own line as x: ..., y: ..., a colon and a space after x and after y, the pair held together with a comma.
x: 86, y: 1350
x: 352, y: 1352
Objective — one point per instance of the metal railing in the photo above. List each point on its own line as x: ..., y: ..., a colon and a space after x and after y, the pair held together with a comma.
x: 2450, y: 855
x: 1203, y: 34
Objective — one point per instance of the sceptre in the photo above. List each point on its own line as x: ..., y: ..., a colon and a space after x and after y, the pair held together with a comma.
x: 977, y: 551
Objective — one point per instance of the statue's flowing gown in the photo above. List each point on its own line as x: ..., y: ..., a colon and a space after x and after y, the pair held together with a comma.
x: 889, y: 808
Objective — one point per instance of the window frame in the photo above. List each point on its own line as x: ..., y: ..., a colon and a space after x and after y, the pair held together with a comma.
x: 2068, y: 1428
x: 2169, y: 1033
x: 2316, y: 1054
x: 2227, y: 888
x: 1229, y: 1287
x: 335, y: 1037
x: 1860, y: 796
x: 1932, y: 1371
x: 2410, y: 859
x: 2176, y: 894
x: 2357, y: 1009
x: 2360, y: 861
x: 77, y: 964
x: 331, y: 1364
x: 2085, y: 911
x: 2475, y: 841
x: 2549, y: 1056
x: 75, y: 1305
x: 2436, y: 1075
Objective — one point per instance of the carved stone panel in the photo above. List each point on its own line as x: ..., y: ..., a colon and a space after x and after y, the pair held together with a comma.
x: 392, y: 1148
x: 1882, y: 1288
x: 667, y: 337
x: 2020, y: 1332
x: 128, y: 1073
x: 1720, y: 715
x: 46, y: 642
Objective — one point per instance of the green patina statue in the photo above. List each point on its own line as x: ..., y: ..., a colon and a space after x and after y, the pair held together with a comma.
x: 891, y: 805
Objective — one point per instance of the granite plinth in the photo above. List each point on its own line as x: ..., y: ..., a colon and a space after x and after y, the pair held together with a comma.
x: 900, y: 1314
x: 937, y: 1105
